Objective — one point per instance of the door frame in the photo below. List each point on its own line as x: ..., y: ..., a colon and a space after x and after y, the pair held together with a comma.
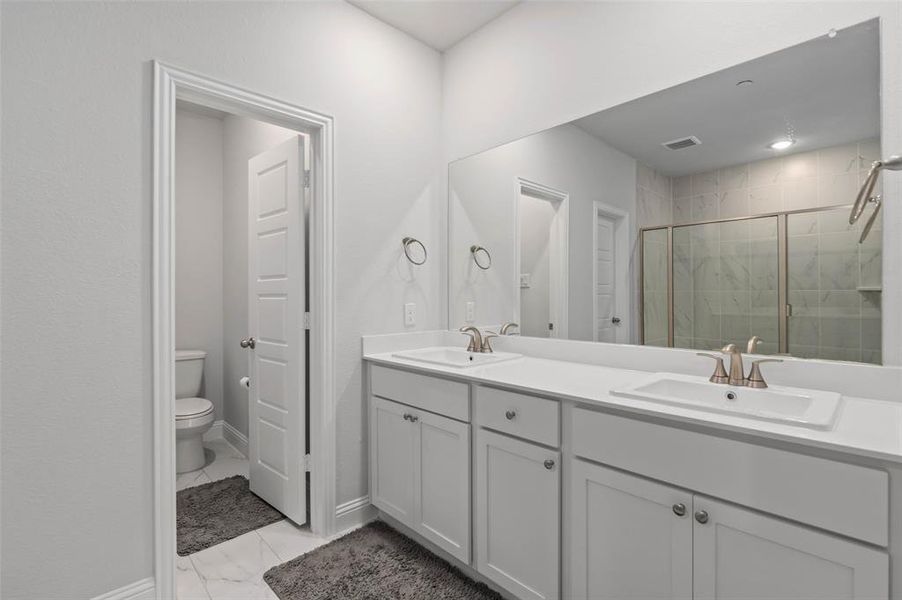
x: 559, y: 245
x: 621, y: 265
x: 171, y: 83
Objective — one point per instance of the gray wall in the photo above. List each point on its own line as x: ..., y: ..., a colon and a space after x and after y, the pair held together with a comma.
x: 77, y: 487
x: 243, y: 139
x: 198, y: 244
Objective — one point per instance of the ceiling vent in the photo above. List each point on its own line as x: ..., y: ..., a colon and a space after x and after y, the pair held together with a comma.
x: 686, y: 142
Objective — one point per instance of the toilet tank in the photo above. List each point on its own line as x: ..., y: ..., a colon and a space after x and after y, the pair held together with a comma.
x: 189, y: 372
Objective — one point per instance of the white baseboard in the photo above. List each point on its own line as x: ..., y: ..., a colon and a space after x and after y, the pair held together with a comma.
x: 139, y: 590
x: 215, y: 431
x: 235, y: 437
x: 353, y: 514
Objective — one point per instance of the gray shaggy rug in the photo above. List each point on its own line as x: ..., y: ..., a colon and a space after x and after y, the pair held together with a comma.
x: 216, y: 512
x: 373, y: 563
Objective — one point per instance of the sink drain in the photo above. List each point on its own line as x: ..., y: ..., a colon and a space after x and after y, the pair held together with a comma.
x: 731, y: 395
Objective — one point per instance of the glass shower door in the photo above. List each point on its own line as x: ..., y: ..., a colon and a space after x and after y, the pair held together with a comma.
x: 725, y: 284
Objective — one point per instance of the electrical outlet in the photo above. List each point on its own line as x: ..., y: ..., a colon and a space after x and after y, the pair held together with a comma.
x: 471, y: 312
x: 410, y: 314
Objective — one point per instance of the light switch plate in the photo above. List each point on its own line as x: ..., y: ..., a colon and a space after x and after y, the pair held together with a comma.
x: 471, y: 312
x: 410, y: 314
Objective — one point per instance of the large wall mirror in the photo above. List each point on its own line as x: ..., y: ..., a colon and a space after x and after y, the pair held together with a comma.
x: 710, y: 213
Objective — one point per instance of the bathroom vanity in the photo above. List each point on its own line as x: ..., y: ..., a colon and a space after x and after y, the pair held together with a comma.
x: 541, y: 478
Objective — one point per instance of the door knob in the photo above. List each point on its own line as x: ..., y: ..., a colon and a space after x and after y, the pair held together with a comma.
x: 249, y: 343
x: 679, y: 509
x: 510, y: 415
x: 615, y: 320
x: 701, y: 516
x: 549, y: 464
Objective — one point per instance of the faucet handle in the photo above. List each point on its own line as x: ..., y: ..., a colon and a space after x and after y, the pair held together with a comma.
x: 755, y: 379
x: 476, y: 342
x: 729, y: 349
x: 486, y: 344
x: 720, y: 373
x: 752, y: 345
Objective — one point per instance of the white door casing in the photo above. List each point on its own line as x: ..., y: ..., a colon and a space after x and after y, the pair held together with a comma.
x: 611, y: 274
x: 276, y: 305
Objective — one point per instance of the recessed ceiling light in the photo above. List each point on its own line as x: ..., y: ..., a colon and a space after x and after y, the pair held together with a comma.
x: 781, y: 144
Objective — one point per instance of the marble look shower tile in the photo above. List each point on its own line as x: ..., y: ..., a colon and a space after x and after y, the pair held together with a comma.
x: 800, y: 166
x: 805, y: 303
x: 682, y: 267
x: 764, y: 228
x: 706, y: 268
x: 839, y: 353
x: 734, y: 203
x: 838, y: 159
x: 834, y: 221
x: 188, y: 585
x: 683, y: 303
x: 704, y: 183
x: 765, y: 327
x: 804, y: 331
x: 801, y: 351
x: 871, y: 334
x: 288, y: 540
x: 763, y: 303
x: 841, y: 332
x: 682, y: 186
x: 644, y: 176
x: 802, y: 224
x: 733, y: 178
x: 871, y: 304
x: 682, y: 210
x: 735, y: 303
x: 765, y: 199
x: 706, y: 315
x: 868, y: 152
x: 763, y: 264
x: 705, y: 207
x: 683, y: 342
x: 681, y: 235
x: 799, y: 194
x: 839, y: 303
x: 870, y: 259
x: 652, y: 209
x: 803, y: 261
x: 836, y: 189
x: 734, y: 266
x: 234, y: 569
x: 735, y: 230
x: 766, y: 172
x: 872, y: 356
x: 838, y: 261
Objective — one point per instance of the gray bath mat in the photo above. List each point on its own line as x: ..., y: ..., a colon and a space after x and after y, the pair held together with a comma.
x: 215, y: 512
x: 373, y: 563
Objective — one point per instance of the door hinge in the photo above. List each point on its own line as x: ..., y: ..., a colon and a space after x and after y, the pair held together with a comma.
x: 306, y: 320
x: 308, y: 464
x: 307, y: 178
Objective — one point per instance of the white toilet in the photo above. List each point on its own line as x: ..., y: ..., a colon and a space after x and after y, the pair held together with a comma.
x: 193, y: 415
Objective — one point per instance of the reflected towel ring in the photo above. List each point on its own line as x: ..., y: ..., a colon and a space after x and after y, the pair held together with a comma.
x: 406, y: 243
x: 486, y: 262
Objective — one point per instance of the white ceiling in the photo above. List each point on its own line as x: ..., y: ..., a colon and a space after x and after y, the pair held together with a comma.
x: 439, y: 24
x: 827, y: 89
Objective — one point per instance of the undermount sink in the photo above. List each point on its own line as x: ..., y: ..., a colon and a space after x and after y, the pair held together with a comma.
x: 456, y: 357
x: 814, y: 409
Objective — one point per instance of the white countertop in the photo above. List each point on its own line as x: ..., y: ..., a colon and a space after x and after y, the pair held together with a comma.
x: 864, y: 427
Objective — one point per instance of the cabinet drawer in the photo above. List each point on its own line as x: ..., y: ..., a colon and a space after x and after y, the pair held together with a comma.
x: 848, y: 499
x: 528, y: 417
x: 440, y: 396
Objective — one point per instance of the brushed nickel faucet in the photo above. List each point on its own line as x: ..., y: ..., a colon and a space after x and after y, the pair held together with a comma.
x: 486, y: 344
x: 737, y: 372
x: 752, y: 346
x: 475, y: 344
x: 756, y: 380
x: 736, y: 376
x: 507, y: 327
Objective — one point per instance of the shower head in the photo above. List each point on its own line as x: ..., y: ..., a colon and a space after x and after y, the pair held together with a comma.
x: 865, y: 194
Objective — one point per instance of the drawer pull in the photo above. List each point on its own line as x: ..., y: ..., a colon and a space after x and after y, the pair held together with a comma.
x: 679, y: 509
x: 549, y: 464
x: 511, y: 414
x: 701, y: 516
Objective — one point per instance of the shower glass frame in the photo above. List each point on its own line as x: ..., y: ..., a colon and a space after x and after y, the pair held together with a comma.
x: 784, y: 309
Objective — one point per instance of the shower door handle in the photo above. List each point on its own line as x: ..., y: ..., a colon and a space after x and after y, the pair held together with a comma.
x: 248, y: 343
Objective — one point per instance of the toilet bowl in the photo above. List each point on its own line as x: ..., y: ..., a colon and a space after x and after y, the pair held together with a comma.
x: 193, y: 415
x: 193, y: 418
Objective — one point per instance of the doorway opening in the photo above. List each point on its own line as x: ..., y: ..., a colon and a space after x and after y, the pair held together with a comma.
x: 261, y: 336
x: 542, y: 253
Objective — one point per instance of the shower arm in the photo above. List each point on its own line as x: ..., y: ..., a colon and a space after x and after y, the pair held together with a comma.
x: 865, y: 194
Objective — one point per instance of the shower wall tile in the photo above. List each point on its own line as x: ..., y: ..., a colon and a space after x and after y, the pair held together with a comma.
x: 704, y: 183
x: 836, y: 189
x: 799, y: 194
x: 733, y: 178
x: 801, y: 165
x: 766, y: 172
x: 734, y: 203
x: 705, y: 207
x: 838, y: 159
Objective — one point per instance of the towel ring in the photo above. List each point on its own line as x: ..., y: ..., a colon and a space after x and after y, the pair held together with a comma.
x: 406, y: 243
x: 486, y: 263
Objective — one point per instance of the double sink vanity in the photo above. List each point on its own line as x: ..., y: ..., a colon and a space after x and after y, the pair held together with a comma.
x: 567, y: 479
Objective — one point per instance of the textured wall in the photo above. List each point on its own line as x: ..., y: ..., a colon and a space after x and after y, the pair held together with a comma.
x: 77, y: 489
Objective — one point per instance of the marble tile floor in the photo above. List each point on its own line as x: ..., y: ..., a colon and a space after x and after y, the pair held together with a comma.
x: 234, y: 569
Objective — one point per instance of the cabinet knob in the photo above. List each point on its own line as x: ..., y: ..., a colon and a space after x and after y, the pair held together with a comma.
x: 701, y: 516
x: 549, y: 464
x: 406, y: 416
x: 679, y: 509
x: 510, y: 415
x: 414, y: 418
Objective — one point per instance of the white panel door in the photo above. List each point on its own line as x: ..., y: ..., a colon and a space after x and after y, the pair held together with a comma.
x: 518, y: 515
x: 276, y: 255
x: 605, y: 280
x: 740, y: 554
x: 393, y: 463
x: 443, y: 486
x: 630, y: 538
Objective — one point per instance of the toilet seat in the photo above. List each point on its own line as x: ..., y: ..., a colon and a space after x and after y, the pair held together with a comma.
x: 192, y: 408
